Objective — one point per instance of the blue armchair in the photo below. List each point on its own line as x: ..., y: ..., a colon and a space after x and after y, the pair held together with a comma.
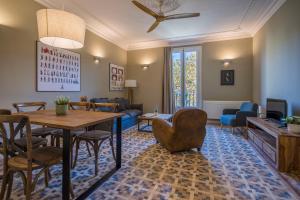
x: 238, y: 117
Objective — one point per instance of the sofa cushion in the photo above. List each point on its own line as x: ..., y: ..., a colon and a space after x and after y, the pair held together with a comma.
x: 125, y: 117
x: 99, y: 100
x: 123, y: 103
x: 228, y: 120
x: 133, y: 112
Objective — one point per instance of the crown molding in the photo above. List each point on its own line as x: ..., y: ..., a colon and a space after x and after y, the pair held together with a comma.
x: 190, y: 40
x: 104, y: 31
x: 269, y: 12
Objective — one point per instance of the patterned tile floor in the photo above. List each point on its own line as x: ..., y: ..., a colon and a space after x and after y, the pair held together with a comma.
x: 226, y: 168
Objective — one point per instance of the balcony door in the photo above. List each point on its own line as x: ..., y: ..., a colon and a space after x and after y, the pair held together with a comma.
x: 186, y: 73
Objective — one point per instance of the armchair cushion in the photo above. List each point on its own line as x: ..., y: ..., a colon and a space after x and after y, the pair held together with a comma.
x: 228, y: 120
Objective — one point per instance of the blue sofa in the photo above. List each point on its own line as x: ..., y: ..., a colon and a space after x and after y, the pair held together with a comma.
x: 238, y: 117
x: 132, y: 111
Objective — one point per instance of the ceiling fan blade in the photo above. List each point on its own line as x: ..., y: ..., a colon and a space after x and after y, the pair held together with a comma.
x: 181, y: 16
x: 156, y: 23
x: 145, y: 9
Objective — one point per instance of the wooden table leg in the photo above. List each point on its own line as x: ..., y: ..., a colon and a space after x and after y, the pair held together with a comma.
x: 66, y: 165
x: 119, y: 143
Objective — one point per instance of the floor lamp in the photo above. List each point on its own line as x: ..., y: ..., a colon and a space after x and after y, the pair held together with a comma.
x: 130, y: 84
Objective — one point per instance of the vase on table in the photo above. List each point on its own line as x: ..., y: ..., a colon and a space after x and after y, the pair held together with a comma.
x: 61, y: 110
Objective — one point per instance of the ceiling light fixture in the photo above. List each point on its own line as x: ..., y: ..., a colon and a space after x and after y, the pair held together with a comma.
x: 61, y: 29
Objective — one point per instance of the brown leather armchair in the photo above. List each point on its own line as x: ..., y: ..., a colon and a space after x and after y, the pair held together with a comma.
x: 187, y: 131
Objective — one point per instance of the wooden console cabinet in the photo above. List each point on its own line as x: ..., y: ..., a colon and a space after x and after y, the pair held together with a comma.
x: 278, y: 146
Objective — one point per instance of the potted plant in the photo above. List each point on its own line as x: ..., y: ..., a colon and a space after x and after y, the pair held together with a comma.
x: 293, y: 123
x: 62, y: 105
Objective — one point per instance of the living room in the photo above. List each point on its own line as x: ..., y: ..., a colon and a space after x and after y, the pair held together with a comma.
x: 224, y: 63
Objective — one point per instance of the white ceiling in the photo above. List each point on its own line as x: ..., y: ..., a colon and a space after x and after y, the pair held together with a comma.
x: 120, y: 22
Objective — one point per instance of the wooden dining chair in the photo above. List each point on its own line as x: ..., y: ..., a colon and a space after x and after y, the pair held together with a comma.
x: 72, y: 106
x: 3, y: 112
x: 24, y: 162
x: 22, y: 142
x: 98, y: 134
x: 41, y: 131
x: 57, y: 137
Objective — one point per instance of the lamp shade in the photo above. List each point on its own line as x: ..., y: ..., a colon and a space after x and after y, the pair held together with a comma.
x: 60, y: 29
x: 130, y: 83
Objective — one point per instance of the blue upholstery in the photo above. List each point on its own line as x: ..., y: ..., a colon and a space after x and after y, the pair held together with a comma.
x: 235, y: 117
x: 131, y: 111
x: 247, y: 106
x: 228, y: 120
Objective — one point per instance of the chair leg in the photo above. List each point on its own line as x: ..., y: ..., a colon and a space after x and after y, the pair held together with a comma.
x: 57, y: 140
x: 88, y: 148
x: 29, y: 185
x: 76, y: 153
x: 112, y: 147
x: 10, y: 183
x: 96, y: 151
x: 72, y: 192
x: 4, y: 184
x: 232, y: 130
x: 46, y: 174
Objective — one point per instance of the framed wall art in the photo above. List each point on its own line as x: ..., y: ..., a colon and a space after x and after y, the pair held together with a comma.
x: 116, y: 77
x: 227, y: 77
x: 58, y: 70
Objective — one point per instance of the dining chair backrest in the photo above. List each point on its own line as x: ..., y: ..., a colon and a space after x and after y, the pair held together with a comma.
x: 29, y: 105
x: 80, y: 106
x: 105, y: 107
x: 5, y: 112
x: 16, y: 124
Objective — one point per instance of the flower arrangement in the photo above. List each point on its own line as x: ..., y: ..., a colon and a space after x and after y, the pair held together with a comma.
x: 62, y: 100
x: 293, y: 120
x: 62, y: 105
x: 293, y: 123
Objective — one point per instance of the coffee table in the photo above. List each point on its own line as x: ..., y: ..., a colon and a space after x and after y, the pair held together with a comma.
x: 149, y: 117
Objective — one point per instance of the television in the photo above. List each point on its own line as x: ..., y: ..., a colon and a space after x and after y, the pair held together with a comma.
x: 276, y: 109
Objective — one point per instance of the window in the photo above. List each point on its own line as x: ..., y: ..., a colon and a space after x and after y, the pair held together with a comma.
x: 186, y: 77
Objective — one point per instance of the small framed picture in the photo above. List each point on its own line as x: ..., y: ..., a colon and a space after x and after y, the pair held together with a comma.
x: 227, y: 77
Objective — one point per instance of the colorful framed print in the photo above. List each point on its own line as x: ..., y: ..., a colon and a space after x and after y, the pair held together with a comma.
x: 58, y: 70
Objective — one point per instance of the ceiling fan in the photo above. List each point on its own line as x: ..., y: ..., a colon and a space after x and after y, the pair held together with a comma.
x: 160, y: 17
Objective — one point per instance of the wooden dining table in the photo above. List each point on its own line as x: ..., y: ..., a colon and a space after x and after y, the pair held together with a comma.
x: 74, y: 120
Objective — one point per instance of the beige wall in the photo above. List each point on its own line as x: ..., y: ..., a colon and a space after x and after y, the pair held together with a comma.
x: 240, y: 51
x: 277, y: 57
x: 149, y: 91
x: 18, y: 35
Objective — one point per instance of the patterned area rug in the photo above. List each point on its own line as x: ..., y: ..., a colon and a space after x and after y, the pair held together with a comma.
x: 226, y: 168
